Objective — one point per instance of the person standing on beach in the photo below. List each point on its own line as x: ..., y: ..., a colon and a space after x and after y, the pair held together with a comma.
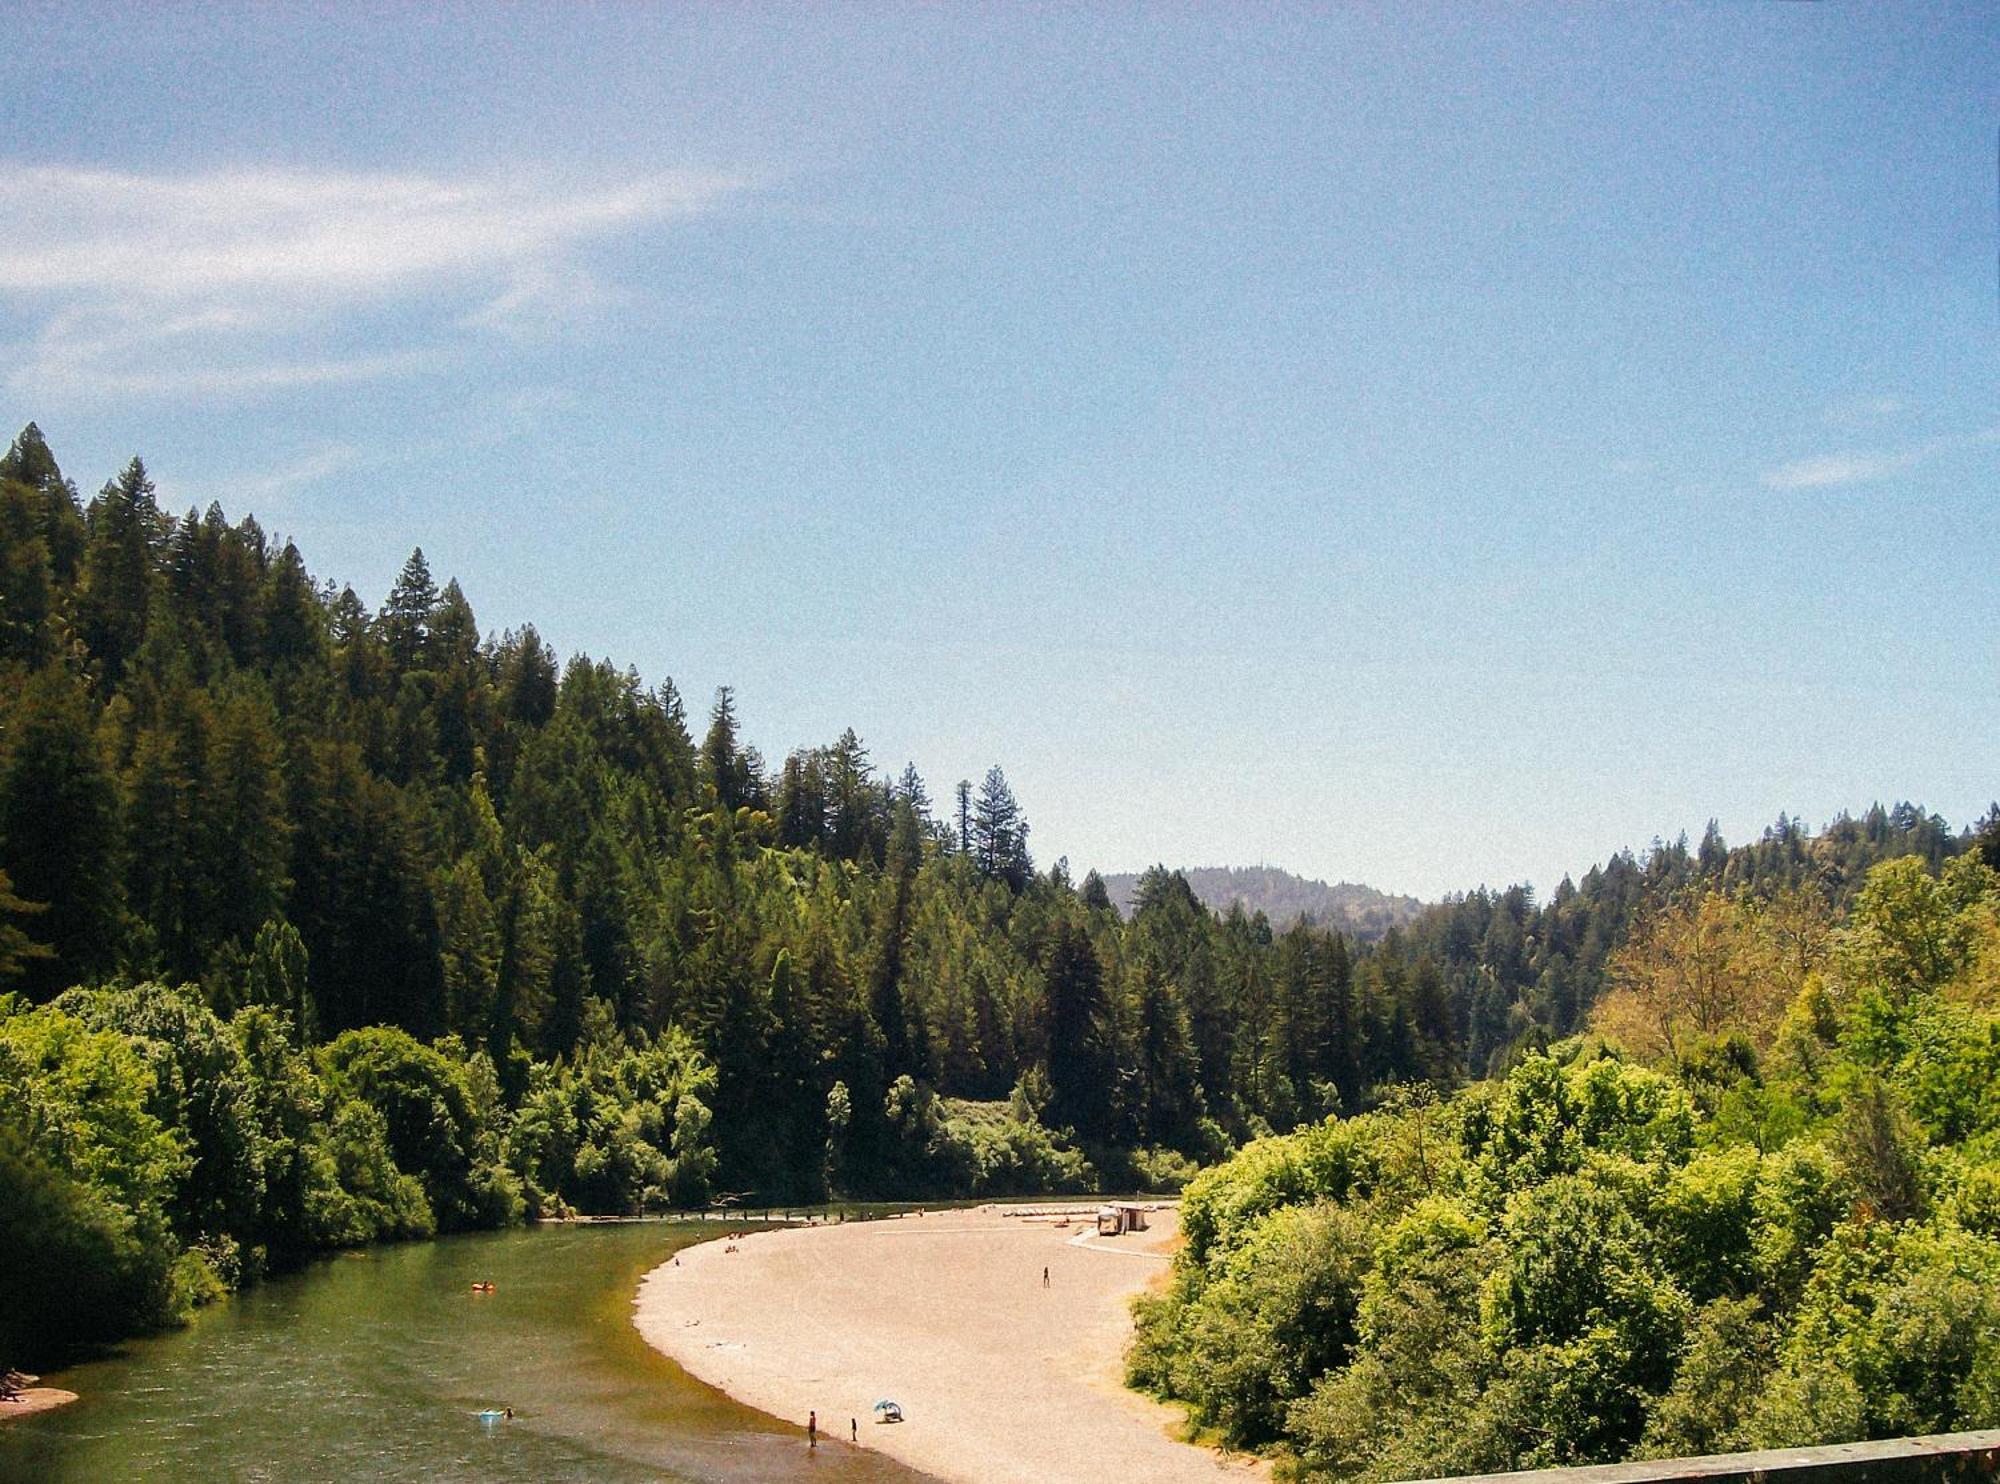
x: 1045, y: 1277
x: 812, y: 1429
x: 854, y: 1429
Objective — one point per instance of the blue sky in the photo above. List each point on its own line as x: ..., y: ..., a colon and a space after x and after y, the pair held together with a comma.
x: 1423, y: 446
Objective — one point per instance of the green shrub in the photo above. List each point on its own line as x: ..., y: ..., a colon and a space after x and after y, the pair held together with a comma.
x: 1277, y: 1314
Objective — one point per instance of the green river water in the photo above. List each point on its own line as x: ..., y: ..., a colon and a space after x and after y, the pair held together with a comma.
x: 374, y: 1366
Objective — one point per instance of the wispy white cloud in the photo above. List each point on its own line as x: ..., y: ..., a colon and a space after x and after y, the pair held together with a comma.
x: 538, y: 303
x: 260, y: 490
x: 224, y: 283
x: 139, y: 365
x: 1828, y: 471
x: 308, y: 469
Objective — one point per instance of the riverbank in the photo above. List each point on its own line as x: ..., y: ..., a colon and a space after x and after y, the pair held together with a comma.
x: 376, y: 1367
x: 32, y: 1399
x: 1002, y: 1379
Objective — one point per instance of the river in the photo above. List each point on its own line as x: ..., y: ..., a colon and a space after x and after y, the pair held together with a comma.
x: 374, y: 1365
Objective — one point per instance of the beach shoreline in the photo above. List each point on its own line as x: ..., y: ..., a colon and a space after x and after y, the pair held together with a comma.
x: 1001, y: 1375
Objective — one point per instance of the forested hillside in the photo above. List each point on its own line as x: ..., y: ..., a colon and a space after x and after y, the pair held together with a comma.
x: 1361, y: 912
x: 320, y: 924
x: 1757, y: 1205
x: 1519, y: 972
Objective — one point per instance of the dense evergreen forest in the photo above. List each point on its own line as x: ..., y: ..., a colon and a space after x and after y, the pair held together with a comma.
x: 319, y: 925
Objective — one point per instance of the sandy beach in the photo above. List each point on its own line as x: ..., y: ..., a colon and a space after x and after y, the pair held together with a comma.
x: 1001, y: 1379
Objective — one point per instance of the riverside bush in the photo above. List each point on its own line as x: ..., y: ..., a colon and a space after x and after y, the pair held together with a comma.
x: 1590, y: 1259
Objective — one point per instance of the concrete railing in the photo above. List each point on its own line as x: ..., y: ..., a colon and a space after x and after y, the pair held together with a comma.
x: 1950, y: 1456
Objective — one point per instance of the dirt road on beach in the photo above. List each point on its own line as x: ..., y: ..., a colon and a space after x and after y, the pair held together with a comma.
x: 1002, y: 1380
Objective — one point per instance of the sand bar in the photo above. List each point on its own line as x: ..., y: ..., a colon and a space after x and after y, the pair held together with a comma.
x: 1001, y: 1380
x: 34, y: 1399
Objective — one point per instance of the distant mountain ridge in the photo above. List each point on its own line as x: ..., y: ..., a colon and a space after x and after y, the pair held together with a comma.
x: 1360, y: 911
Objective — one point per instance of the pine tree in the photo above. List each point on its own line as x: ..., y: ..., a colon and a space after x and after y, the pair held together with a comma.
x: 905, y: 1048
x: 802, y: 805
x: 213, y: 576
x: 279, y: 974
x: 461, y: 691
x: 856, y: 824
x: 247, y: 831
x: 1081, y: 1058
x: 796, y: 1116
x: 525, y: 670
x: 729, y: 769
x: 1000, y: 834
x: 1714, y: 854
x: 407, y: 616
x: 910, y: 790
x: 470, y: 935
x: 27, y: 584
x: 1169, y: 1092
x: 1094, y: 893
x: 1986, y: 837
x: 29, y: 462
x: 169, y: 834
x: 361, y: 896
x: 294, y: 623
x: 17, y: 948
x: 116, y: 586
x: 530, y: 916
x: 60, y: 831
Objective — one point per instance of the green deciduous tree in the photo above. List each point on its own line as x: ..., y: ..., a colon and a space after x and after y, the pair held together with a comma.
x: 87, y: 1174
